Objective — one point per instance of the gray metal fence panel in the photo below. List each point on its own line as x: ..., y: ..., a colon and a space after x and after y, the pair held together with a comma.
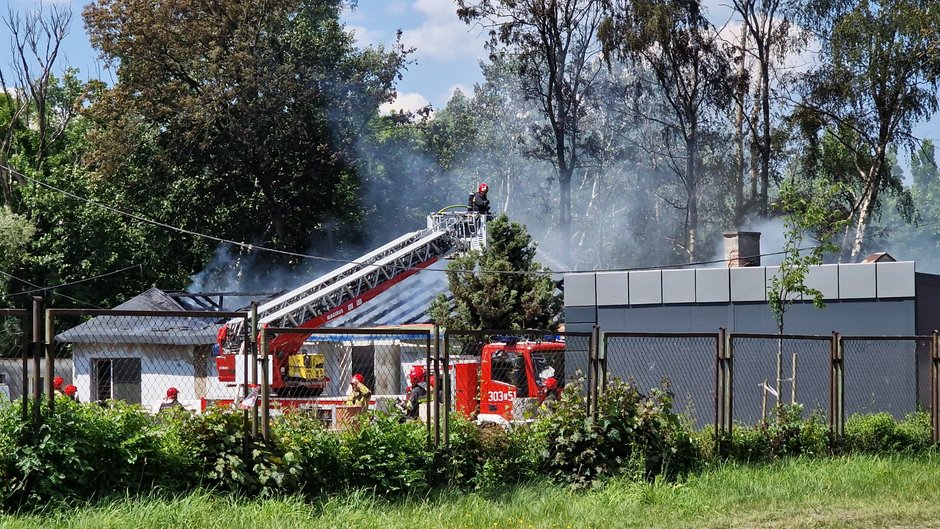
x: 686, y: 363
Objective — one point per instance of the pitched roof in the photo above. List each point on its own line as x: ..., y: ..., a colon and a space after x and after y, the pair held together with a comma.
x: 170, y: 330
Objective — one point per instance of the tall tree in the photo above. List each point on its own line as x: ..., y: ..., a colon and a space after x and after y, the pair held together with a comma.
x: 878, y: 77
x: 501, y: 288
x: 552, y: 43
x: 246, y: 113
x: 677, y: 44
x: 765, y: 39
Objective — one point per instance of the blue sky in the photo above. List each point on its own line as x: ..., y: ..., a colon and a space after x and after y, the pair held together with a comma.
x: 447, y: 51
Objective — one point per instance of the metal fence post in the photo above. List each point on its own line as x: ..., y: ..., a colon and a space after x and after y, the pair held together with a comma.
x: 594, y: 373
x: 427, y: 404
x: 265, y: 387
x: 445, y: 384
x: 836, y: 387
x: 35, y: 346
x: 719, y: 387
x: 50, y: 361
x: 935, y: 387
x: 251, y: 345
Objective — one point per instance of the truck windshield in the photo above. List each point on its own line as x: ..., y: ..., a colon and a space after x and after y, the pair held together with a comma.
x: 549, y: 364
x: 508, y: 367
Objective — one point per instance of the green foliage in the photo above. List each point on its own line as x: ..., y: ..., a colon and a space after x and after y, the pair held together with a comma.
x: 633, y: 433
x: 786, y: 434
x: 502, y: 288
x: 388, y: 456
x: 313, y: 458
x: 880, y: 433
x: 488, y: 456
x: 807, y: 213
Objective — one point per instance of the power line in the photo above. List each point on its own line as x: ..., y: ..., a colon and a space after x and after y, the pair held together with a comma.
x: 76, y: 282
x: 251, y: 247
x: 25, y: 282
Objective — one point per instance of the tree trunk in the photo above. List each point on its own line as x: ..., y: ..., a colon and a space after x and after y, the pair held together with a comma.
x: 692, y: 186
x: 765, y: 138
x: 740, y: 96
x: 564, y: 214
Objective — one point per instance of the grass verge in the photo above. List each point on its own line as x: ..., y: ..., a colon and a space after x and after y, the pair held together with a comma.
x: 849, y: 492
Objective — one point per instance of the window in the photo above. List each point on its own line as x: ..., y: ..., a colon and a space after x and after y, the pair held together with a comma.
x: 509, y: 367
x: 117, y: 378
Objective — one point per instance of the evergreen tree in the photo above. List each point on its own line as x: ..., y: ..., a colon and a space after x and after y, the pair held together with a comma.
x: 502, y: 287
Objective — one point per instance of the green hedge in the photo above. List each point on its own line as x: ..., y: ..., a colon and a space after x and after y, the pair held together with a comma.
x: 84, y: 452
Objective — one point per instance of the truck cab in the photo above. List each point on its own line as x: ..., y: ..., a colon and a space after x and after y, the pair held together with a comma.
x: 513, y: 370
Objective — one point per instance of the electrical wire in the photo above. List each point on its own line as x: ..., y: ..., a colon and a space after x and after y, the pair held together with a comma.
x: 251, y: 247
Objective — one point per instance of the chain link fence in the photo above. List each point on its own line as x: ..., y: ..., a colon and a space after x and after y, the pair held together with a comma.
x: 149, y: 358
x: 496, y: 376
x: 339, y: 373
x: 20, y: 374
x: 682, y: 364
x: 771, y: 369
x: 886, y: 374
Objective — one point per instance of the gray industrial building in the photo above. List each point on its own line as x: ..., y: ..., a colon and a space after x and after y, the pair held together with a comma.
x: 878, y: 298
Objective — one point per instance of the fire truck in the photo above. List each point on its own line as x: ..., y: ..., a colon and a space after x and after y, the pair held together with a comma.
x: 507, y: 372
x: 299, y: 373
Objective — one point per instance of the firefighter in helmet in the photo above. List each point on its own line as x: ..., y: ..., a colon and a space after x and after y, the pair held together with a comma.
x: 418, y: 390
x: 479, y: 203
x: 171, y: 400
x: 359, y: 393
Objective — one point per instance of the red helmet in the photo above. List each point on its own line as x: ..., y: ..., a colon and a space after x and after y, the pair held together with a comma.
x: 551, y: 384
x: 57, y: 382
x: 359, y: 378
x: 71, y: 390
x: 416, y: 375
x: 172, y: 393
x: 483, y: 188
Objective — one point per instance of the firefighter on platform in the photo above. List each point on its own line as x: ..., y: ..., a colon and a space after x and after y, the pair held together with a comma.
x: 416, y: 392
x: 478, y: 202
x: 359, y: 393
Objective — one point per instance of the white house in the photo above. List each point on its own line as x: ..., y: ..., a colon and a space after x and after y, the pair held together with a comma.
x: 137, y: 358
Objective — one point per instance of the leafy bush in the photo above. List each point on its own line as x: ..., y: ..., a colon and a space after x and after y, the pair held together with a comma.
x: 388, y: 456
x: 787, y: 433
x: 879, y: 433
x: 632, y: 433
x: 313, y: 459
x: 78, y: 451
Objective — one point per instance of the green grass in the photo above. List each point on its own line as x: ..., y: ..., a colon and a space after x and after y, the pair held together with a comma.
x: 858, y: 491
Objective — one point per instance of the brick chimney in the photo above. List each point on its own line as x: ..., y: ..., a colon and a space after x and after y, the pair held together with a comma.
x: 742, y: 248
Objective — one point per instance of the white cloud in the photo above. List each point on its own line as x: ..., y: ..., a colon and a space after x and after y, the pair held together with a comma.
x: 367, y: 37
x: 411, y: 102
x: 467, y: 92
x: 442, y: 36
x: 396, y: 7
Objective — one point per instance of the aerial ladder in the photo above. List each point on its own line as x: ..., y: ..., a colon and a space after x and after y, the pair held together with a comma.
x: 313, y: 305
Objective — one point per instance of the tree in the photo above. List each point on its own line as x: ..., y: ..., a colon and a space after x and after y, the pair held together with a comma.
x: 243, y: 115
x: 765, y: 25
x: 678, y: 45
x: 552, y: 43
x: 807, y: 215
x: 878, y: 76
x: 501, y: 288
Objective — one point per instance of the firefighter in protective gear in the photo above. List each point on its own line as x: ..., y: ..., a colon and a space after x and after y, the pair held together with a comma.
x: 552, y: 392
x: 171, y: 400
x: 359, y: 393
x: 479, y: 203
x: 71, y: 392
x: 57, y: 383
x: 416, y: 392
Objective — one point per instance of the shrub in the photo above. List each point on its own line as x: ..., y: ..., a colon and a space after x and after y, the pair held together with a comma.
x: 312, y: 457
x: 879, y: 433
x: 387, y: 455
x: 78, y: 451
x: 632, y: 433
